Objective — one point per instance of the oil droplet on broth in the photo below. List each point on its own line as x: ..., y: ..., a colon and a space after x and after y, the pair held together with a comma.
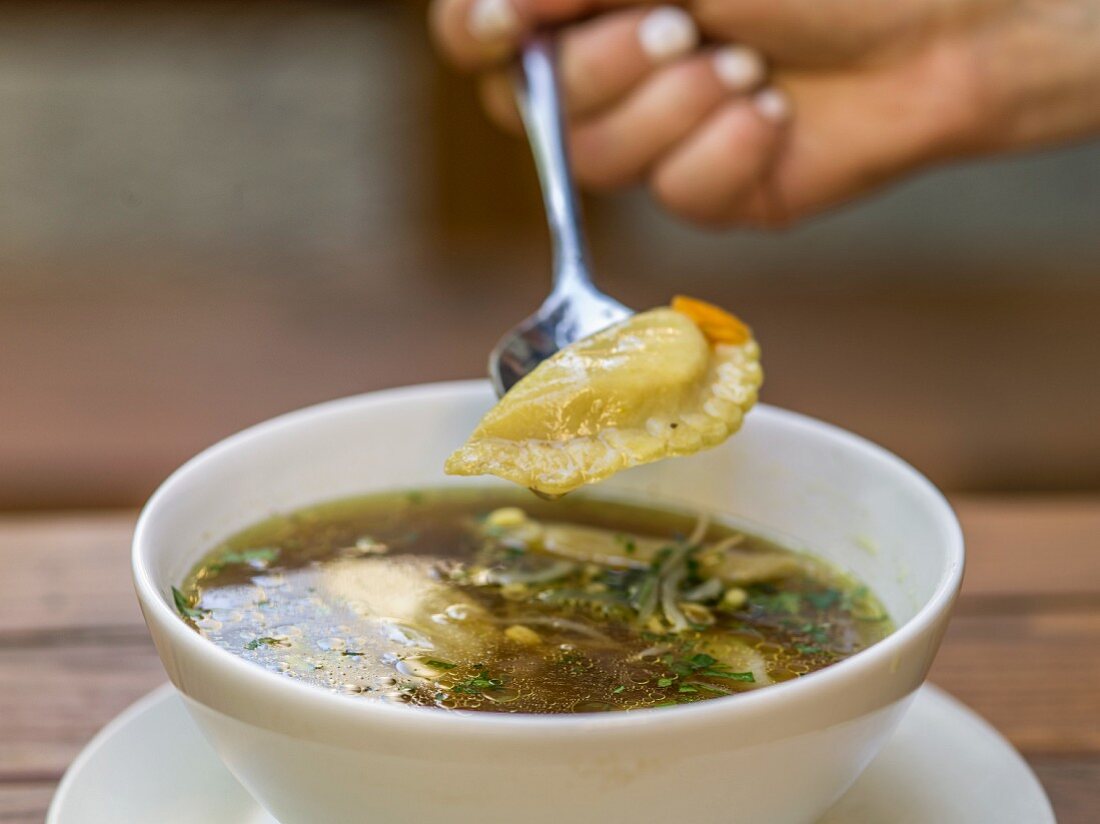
x: 502, y: 695
x: 638, y: 676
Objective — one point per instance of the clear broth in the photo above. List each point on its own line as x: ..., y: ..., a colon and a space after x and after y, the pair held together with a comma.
x: 492, y: 600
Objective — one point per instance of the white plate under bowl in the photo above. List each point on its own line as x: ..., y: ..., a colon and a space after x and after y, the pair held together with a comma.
x: 944, y: 765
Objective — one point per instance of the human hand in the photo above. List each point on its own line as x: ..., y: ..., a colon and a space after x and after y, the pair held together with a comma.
x: 761, y: 112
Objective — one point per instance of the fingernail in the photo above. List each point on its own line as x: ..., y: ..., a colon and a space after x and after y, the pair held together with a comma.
x: 739, y: 68
x: 667, y: 32
x: 492, y: 20
x: 772, y: 105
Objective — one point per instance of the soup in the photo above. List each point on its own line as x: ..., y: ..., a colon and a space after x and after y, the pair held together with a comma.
x: 492, y: 600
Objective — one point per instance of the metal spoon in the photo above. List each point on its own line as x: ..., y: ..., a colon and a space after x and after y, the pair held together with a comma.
x: 575, y: 307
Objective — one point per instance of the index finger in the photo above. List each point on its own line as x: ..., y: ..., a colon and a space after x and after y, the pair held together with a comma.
x: 478, y: 33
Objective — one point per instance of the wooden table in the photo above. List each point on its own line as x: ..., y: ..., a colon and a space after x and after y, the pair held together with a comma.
x: 1023, y: 649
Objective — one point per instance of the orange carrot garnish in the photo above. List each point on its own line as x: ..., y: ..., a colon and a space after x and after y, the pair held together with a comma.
x: 718, y: 325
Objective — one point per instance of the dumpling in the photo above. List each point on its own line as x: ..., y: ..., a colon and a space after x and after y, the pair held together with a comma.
x: 670, y: 381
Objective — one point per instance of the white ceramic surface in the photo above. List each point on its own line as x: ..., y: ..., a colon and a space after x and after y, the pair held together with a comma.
x: 781, y: 754
x: 944, y: 764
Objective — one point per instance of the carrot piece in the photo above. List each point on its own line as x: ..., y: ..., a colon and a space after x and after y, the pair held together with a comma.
x: 718, y: 325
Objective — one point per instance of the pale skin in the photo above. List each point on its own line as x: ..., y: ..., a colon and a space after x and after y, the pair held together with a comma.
x: 763, y: 112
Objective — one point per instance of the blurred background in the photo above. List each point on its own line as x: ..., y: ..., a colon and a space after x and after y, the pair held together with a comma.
x: 212, y: 213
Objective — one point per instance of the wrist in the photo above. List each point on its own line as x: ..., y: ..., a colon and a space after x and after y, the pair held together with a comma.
x: 1039, y: 69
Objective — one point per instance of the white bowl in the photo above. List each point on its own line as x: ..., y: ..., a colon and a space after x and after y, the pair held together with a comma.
x: 780, y: 754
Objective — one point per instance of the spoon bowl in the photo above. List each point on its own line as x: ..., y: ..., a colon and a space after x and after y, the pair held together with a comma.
x: 561, y: 320
x: 575, y: 308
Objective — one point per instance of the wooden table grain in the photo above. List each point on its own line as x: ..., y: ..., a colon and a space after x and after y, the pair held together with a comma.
x: 1023, y: 649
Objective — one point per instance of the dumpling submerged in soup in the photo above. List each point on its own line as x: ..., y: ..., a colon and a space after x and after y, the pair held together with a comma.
x: 492, y: 600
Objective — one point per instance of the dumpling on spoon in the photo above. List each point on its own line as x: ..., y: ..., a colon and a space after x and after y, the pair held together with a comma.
x: 670, y: 381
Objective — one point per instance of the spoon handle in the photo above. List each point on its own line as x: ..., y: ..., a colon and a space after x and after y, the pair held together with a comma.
x: 540, y: 105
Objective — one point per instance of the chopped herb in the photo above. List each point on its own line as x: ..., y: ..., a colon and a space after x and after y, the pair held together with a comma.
x: 349, y: 652
x: 476, y: 684
x: 818, y: 634
x: 629, y: 547
x: 824, y: 599
x: 682, y: 668
x: 748, y: 677
x: 665, y: 682
x: 183, y: 606
x: 260, y: 556
x: 619, y: 689
x: 265, y: 641
x: 808, y: 649
x: 690, y: 688
x: 788, y: 602
x: 853, y: 598
x: 858, y: 603
x: 700, y: 664
x: 443, y: 665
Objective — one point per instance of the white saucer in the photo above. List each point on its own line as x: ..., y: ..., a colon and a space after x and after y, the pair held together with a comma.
x: 944, y: 765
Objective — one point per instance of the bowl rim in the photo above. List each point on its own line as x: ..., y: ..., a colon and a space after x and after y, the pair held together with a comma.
x: 402, y: 719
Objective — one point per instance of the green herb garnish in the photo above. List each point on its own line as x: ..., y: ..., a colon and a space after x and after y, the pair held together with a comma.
x: 701, y: 664
x: 824, y: 599
x: 629, y: 547
x: 443, y: 665
x: 184, y: 607
x: 818, y: 634
x: 265, y: 641
x: 858, y: 602
x: 747, y: 677
x: 781, y: 602
x: 477, y: 684
x: 260, y: 556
